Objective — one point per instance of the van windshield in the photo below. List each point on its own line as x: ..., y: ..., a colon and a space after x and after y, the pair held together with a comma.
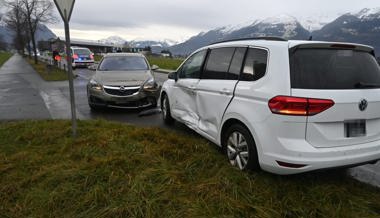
x: 123, y: 63
x: 316, y: 68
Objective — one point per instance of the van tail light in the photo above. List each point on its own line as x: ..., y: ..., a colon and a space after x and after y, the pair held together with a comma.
x: 75, y: 56
x: 295, y: 106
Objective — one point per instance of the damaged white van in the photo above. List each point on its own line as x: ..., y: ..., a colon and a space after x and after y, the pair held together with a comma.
x: 283, y: 106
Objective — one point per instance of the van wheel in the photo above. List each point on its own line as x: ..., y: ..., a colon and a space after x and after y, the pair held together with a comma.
x: 240, y: 148
x: 165, y: 107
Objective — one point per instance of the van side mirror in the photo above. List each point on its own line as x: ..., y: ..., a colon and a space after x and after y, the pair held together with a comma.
x: 155, y: 67
x: 173, y: 75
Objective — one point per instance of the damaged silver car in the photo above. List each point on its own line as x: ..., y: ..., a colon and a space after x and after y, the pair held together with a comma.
x: 123, y: 80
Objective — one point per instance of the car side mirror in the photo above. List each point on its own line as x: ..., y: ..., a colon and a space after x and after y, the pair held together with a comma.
x: 155, y: 67
x: 173, y: 75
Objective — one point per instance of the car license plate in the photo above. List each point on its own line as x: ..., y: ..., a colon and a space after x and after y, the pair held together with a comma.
x: 355, y: 128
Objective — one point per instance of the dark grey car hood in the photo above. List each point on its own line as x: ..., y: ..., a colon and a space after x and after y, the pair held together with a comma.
x: 122, y: 78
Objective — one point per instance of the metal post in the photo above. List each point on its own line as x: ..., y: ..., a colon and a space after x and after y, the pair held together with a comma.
x: 70, y: 72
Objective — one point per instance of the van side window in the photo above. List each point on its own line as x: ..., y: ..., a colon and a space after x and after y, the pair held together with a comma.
x: 218, y: 63
x: 255, y: 65
x: 191, y: 69
x: 236, y: 64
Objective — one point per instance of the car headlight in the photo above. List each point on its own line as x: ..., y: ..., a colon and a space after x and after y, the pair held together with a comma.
x: 150, y: 85
x: 95, y: 85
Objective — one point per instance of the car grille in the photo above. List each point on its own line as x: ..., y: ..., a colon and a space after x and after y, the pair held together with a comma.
x: 119, y: 91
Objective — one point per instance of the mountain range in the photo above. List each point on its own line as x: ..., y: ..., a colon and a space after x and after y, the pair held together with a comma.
x: 156, y: 46
x: 43, y: 33
x: 359, y: 27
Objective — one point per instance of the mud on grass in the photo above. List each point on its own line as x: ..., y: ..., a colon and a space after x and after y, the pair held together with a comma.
x: 116, y: 170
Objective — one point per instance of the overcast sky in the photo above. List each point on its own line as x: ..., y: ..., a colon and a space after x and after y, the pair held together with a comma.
x: 180, y: 19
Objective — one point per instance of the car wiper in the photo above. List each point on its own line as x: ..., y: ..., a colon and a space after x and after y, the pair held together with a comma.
x: 360, y: 85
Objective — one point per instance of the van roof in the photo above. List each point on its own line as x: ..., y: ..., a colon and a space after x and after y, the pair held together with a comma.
x: 268, y: 42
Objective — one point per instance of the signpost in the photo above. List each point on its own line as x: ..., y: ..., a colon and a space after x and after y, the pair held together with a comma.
x: 65, y: 8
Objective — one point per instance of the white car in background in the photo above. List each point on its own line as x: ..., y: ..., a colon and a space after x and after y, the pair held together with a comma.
x: 81, y: 57
x: 283, y: 106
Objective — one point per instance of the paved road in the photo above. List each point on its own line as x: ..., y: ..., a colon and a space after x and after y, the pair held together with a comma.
x: 24, y: 95
x: 19, y: 98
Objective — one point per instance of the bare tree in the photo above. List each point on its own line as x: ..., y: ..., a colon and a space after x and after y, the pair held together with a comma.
x: 36, y: 13
x: 16, y: 21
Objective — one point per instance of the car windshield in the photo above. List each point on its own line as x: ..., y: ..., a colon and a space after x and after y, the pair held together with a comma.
x: 82, y: 51
x: 313, y: 68
x: 123, y: 63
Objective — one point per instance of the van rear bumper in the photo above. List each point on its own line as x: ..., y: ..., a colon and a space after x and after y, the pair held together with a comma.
x: 319, y: 158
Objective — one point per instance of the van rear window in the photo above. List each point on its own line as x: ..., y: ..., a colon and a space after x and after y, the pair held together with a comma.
x: 316, y: 68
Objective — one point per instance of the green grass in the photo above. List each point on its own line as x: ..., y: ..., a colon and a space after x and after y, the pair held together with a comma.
x: 97, y: 58
x: 4, y: 56
x: 165, y: 63
x: 116, y: 170
x: 48, y: 72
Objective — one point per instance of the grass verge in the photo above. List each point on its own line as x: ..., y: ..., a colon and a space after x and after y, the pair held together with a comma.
x: 4, y: 56
x: 165, y: 63
x: 115, y: 170
x: 47, y: 72
x: 97, y: 58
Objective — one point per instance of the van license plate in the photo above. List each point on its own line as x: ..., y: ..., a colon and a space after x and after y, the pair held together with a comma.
x: 355, y: 128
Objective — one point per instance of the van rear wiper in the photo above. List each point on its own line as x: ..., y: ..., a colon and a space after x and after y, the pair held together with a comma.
x: 366, y: 85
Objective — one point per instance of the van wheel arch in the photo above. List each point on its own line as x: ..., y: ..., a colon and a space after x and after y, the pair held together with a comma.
x: 232, y: 123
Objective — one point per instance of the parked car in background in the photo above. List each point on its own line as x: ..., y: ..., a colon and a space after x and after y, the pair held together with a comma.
x: 81, y: 57
x: 283, y: 106
x: 123, y: 80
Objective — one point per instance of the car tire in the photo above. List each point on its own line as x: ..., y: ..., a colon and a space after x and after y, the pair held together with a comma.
x: 94, y: 107
x: 165, y: 107
x: 240, y: 148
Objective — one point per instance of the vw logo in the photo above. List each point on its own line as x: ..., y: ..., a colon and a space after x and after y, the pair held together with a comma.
x: 363, y: 105
x: 122, y: 89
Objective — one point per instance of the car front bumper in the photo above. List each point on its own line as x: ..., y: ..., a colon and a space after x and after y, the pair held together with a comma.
x: 141, y: 99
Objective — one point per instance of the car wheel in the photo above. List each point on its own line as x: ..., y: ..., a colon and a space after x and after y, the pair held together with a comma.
x: 165, y: 107
x: 240, y: 148
x: 94, y: 107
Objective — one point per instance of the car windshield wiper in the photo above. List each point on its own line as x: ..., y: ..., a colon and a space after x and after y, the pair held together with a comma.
x: 360, y: 85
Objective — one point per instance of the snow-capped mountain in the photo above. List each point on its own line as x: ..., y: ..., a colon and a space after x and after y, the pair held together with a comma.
x: 285, y: 26
x: 146, y: 43
x: 317, y: 21
x: 138, y: 43
x: 367, y: 14
x: 358, y: 27
x: 113, y: 40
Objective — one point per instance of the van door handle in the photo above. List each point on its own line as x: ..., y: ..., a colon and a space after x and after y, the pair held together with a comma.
x: 225, y: 92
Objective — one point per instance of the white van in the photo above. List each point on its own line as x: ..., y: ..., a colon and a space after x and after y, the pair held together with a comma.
x: 283, y: 106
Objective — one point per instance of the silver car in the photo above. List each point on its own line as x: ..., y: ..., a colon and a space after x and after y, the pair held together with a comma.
x: 123, y: 80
